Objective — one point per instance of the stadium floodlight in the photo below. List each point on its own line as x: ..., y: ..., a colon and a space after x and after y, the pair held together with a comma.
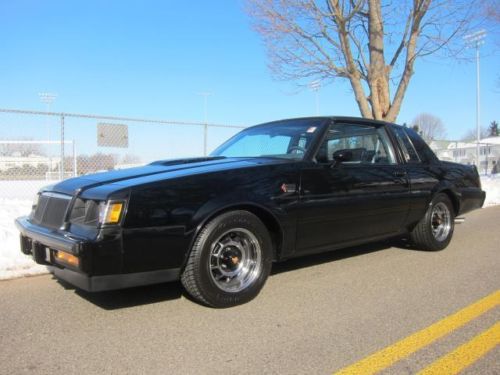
x: 315, y: 86
x: 476, y: 40
x: 47, y: 98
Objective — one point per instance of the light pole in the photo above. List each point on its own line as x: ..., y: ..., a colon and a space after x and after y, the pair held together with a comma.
x: 205, y: 95
x: 48, y: 98
x: 475, y: 40
x: 315, y: 86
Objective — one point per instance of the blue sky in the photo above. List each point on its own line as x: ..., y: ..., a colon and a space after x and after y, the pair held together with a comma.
x: 151, y: 58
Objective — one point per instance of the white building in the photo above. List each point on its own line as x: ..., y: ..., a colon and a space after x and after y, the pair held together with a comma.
x: 17, y: 161
x: 465, y: 153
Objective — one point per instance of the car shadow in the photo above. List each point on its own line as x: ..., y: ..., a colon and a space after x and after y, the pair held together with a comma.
x: 130, y: 297
x: 149, y: 294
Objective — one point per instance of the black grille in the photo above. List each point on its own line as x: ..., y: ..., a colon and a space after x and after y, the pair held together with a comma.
x: 51, y: 209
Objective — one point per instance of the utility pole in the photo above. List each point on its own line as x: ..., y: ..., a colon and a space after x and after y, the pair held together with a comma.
x: 61, y: 163
x: 205, y: 95
x: 476, y: 40
x: 315, y: 86
x: 48, y: 98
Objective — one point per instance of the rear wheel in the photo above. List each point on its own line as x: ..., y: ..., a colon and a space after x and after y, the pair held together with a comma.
x: 435, y: 230
x: 230, y: 260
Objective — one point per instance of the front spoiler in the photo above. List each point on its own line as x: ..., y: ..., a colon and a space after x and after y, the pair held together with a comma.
x: 113, y: 282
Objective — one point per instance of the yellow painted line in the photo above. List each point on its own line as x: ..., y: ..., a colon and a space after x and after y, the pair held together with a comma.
x: 403, y: 348
x: 466, y: 354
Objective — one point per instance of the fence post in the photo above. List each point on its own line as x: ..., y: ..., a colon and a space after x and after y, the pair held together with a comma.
x: 75, y: 172
x: 61, y: 162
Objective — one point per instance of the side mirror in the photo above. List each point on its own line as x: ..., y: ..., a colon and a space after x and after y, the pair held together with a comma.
x: 340, y: 156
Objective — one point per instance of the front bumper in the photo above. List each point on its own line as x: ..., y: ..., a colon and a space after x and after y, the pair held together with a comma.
x: 42, y: 244
x: 48, y: 237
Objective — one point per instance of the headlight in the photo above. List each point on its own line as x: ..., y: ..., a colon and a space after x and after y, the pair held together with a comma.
x: 110, y: 212
x: 34, y: 205
x: 35, y: 201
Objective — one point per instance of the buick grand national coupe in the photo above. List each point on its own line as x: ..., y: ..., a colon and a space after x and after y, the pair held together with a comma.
x: 272, y: 192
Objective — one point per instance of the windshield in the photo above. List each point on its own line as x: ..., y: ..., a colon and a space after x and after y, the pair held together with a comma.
x: 284, y: 139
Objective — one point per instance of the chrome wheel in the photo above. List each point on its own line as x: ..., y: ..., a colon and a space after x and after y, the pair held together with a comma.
x: 235, y: 260
x: 440, y: 221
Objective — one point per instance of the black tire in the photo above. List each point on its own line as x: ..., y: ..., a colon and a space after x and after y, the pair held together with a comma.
x: 435, y: 230
x: 220, y: 249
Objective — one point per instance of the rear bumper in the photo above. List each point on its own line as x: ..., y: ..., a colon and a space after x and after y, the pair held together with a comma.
x: 42, y: 244
x: 471, y: 199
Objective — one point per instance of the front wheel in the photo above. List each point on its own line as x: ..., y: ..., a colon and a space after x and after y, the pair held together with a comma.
x: 230, y: 260
x: 435, y: 229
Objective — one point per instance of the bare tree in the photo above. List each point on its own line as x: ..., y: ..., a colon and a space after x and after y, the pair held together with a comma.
x: 492, y: 11
x: 96, y: 163
x: 131, y: 159
x: 372, y: 43
x: 471, y: 134
x: 429, y: 126
x: 18, y: 148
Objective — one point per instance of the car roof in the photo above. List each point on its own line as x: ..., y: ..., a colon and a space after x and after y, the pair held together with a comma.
x: 335, y: 119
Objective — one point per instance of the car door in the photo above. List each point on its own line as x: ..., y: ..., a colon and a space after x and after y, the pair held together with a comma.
x: 363, y: 196
x: 423, y: 171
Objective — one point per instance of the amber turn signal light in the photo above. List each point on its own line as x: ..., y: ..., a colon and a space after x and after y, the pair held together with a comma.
x: 67, y: 258
x: 110, y: 213
x: 114, y: 212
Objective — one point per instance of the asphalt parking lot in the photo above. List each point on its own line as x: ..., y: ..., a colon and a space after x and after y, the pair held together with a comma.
x: 316, y: 315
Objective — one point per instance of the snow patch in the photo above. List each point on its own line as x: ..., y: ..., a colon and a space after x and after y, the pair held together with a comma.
x: 16, y: 198
x: 13, y: 263
x: 491, y: 185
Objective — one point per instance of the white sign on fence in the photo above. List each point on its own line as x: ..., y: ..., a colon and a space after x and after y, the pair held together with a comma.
x: 112, y: 135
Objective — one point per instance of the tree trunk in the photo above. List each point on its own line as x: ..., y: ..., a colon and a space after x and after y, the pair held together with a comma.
x: 377, y: 74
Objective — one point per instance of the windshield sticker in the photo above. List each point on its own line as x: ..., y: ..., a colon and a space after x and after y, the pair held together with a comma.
x: 312, y: 129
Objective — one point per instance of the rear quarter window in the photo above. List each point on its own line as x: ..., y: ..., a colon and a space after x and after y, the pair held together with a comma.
x: 423, y: 150
x: 409, y: 152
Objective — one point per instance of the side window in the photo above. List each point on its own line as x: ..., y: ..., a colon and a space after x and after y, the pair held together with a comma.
x: 366, y: 144
x: 409, y: 152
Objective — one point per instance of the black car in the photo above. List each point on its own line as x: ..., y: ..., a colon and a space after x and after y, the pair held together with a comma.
x: 272, y: 192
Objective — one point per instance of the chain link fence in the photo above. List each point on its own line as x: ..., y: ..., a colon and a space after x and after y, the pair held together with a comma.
x: 39, y: 148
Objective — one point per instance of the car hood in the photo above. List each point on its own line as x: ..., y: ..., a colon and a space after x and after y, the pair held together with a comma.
x: 156, y: 171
